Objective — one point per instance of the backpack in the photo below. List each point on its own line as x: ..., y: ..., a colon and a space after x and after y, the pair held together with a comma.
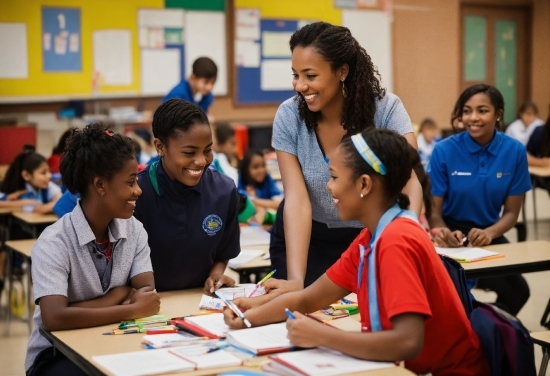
x: 506, y: 343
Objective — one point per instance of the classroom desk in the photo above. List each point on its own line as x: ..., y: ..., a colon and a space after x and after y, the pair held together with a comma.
x: 522, y: 257
x: 81, y: 344
x: 4, y: 222
x: 537, y: 172
x: 23, y: 248
x: 258, y: 265
x: 34, y: 223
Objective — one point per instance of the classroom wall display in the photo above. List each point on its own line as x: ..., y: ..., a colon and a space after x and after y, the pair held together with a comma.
x: 61, y: 39
x: 13, y: 38
x: 113, y: 56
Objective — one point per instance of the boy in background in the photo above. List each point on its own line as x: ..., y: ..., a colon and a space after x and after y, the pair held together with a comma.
x: 427, y: 138
x: 198, y: 88
x: 225, y: 150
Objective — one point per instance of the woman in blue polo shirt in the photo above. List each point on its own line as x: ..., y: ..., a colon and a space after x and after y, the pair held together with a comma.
x: 475, y: 175
x: 188, y: 209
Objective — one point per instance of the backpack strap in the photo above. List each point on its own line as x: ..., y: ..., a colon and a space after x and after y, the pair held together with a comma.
x: 153, y: 177
x: 392, y: 213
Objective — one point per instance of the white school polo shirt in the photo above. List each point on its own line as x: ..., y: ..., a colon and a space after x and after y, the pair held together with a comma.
x: 62, y: 264
x: 475, y: 180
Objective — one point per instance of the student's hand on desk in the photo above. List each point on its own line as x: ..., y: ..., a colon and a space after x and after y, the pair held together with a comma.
x: 15, y: 195
x: 232, y: 320
x: 448, y: 239
x: 28, y: 202
x: 478, y: 238
x: 215, y: 281
x: 147, y: 303
x: 300, y: 330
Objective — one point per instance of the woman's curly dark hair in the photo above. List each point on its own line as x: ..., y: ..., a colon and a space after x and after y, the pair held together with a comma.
x: 337, y: 46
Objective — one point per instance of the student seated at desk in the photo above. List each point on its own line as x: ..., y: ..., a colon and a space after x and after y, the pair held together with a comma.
x: 198, y: 88
x: 538, y: 152
x: 91, y: 267
x: 27, y: 187
x: 259, y: 185
x: 188, y: 209
x: 528, y: 120
x: 418, y: 315
x: 225, y: 151
x: 475, y: 175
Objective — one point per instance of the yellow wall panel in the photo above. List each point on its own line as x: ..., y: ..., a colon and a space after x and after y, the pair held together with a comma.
x: 321, y: 10
x: 94, y: 15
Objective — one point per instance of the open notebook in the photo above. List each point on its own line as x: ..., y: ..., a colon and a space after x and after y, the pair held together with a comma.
x: 262, y: 340
x: 321, y: 362
x: 468, y: 254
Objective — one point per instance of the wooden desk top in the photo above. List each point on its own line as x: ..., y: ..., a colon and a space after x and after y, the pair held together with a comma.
x: 542, y: 172
x: 91, y: 342
x: 522, y: 257
x: 4, y: 211
x: 21, y: 246
x: 35, y: 218
x: 541, y: 338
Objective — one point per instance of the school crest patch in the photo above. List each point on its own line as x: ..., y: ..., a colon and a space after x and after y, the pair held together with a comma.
x: 212, y: 224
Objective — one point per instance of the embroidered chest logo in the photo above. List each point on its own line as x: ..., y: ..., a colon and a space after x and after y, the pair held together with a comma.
x: 212, y: 224
x: 460, y: 173
x: 501, y: 174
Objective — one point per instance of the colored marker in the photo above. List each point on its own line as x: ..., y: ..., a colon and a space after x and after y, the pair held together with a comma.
x: 289, y: 314
x: 262, y: 282
x: 234, y: 308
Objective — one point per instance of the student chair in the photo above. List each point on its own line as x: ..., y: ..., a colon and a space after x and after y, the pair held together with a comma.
x: 543, y: 340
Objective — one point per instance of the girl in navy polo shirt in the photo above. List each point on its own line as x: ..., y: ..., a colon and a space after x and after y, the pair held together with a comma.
x: 188, y: 209
x: 475, y: 175
x: 259, y: 185
x: 403, y: 280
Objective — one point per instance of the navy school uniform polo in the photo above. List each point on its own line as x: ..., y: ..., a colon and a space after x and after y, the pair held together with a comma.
x: 189, y: 228
x: 475, y: 180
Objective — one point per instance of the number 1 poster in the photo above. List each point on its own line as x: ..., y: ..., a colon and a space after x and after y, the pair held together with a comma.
x: 61, y: 39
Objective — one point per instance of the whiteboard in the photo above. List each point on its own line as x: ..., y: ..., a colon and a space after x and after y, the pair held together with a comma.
x: 113, y: 56
x: 372, y: 29
x: 160, y: 70
x: 14, y: 62
x: 205, y: 36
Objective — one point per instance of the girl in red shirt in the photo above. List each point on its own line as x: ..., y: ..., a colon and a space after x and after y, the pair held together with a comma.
x: 420, y: 317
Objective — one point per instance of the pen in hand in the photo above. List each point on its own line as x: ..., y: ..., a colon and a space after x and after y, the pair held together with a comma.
x: 289, y: 314
x: 234, y: 308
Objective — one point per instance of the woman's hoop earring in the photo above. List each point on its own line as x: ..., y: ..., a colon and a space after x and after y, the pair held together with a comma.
x: 344, y: 90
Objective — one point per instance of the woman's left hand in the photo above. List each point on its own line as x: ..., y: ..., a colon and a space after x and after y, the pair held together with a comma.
x: 478, y: 237
x: 303, y: 331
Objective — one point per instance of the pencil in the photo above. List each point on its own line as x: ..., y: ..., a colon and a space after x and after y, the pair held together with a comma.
x: 262, y: 282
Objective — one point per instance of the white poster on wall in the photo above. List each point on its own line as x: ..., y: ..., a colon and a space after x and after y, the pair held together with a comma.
x: 160, y: 70
x: 276, y: 74
x: 206, y: 36
x: 14, y: 60
x: 372, y: 29
x: 113, y: 56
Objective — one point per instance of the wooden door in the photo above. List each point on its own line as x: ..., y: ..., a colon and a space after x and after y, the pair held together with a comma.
x: 496, y: 50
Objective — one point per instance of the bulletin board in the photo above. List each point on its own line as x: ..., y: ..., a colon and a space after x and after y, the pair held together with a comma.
x: 262, y: 77
x: 93, y: 35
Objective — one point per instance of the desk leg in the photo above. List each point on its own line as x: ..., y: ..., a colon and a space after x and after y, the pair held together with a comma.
x: 29, y: 294
x: 9, y: 278
x: 533, y: 182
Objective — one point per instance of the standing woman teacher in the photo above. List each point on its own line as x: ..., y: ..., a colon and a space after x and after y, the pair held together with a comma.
x: 338, y: 94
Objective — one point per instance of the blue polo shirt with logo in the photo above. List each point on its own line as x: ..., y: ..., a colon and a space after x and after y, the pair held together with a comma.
x: 189, y: 228
x: 475, y: 180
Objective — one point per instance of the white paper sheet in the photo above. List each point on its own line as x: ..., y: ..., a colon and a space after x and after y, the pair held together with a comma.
x: 254, y: 235
x: 14, y: 61
x: 161, y: 18
x: 247, y: 53
x: 245, y: 256
x: 160, y: 70
x: 195, y: 354
x: 211, y: 323
x: 275, y: 44
x: 260, y: 338
x: 205, y: 36
x: 113, y: 56
x: 247, y: 23
x: 276, y: 74
x: 146, y: 362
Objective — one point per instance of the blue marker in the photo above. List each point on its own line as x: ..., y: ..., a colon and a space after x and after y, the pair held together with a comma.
x: 289, y: 314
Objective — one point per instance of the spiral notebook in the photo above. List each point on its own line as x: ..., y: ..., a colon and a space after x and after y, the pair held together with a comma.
x: 468, y: 254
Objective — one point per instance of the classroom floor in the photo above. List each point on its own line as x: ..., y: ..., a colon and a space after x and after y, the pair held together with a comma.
x: 13, y: 348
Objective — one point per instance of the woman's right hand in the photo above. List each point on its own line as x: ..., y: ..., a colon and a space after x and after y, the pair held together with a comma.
x: 232, y: 320
x: 274, y: 288
x: 448, y: 239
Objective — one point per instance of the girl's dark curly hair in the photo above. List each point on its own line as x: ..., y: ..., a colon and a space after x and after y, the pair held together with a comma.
x: 394, y: 152
x: 91, y: 152
x: 338, y: 47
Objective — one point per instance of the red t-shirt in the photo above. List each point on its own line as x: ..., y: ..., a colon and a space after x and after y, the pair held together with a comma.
x: 412, y: 279
x: 53, y: 162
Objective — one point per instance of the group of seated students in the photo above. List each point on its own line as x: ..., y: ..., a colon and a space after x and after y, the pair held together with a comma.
x: 178, y: 218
